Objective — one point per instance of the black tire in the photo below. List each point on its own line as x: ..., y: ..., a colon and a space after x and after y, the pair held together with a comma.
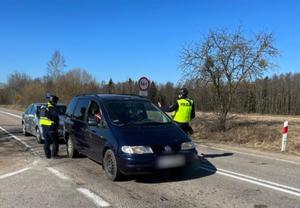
x: 110, y: 166
x: 39, y: 137
x: 25, y: 133
x: 71, y: 151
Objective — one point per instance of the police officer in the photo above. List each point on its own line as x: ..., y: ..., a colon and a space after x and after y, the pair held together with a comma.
x: 184, y: 111
x: 49, y: 120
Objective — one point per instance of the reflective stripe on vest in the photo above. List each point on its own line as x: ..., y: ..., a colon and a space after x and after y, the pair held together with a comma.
x: 183, y: 114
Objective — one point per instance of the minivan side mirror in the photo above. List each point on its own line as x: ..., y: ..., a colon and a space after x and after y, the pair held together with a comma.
x: 92, y: 121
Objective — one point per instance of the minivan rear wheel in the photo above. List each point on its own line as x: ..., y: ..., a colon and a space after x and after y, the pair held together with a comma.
x: 110, y: 166
x: 71, y: 151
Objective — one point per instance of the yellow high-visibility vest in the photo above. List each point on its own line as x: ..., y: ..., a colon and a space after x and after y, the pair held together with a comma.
x: 45, y: 121
x: 183, y: 114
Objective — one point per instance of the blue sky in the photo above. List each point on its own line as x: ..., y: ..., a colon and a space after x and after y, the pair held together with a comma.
x: 133, y: 38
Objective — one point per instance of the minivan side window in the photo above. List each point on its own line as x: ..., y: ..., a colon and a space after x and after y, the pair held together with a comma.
x: 94, y: 112
x: 70, y: 108
x: 80, y: 109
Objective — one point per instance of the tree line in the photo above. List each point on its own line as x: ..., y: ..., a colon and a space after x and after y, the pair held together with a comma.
x: 278, y: 94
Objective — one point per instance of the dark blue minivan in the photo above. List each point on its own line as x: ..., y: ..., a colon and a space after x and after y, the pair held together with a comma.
x: 126, y: 134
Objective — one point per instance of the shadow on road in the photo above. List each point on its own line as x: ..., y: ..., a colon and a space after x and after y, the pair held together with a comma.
x: 193, y: 171
x: 226, y: 154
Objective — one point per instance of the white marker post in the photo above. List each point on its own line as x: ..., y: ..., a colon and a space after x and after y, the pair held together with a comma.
x: 284, y: 136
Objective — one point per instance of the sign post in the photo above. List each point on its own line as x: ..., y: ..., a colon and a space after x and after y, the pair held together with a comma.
x: 284, y: 136
x: 144, y: 85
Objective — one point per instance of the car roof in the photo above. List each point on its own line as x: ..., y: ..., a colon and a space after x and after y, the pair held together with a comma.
x: 113, y: 97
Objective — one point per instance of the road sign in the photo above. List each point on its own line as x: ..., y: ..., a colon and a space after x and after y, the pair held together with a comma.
x: 17, y: 98
x: 144, y: 85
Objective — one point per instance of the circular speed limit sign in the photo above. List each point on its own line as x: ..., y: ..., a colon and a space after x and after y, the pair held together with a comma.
x: 144, y: 83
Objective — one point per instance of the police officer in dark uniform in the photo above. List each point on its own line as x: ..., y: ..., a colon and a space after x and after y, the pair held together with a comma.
x: 184, y: 111
x: 49, y: 120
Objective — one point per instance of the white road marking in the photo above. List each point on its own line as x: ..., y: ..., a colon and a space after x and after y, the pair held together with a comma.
x: 94, y: 197
x: 261, y: 180
x: 58, y: 174
x: 251, y: 154
x: 257, y: 181
x: 86, y: 192
x: 13, y: 173
x: 11, y: 114
x: 20, y: 140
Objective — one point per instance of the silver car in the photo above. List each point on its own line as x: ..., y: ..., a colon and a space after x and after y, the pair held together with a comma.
x: 31, y: 117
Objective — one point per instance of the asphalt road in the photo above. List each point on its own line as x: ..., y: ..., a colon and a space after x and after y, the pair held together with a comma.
x: 223, y: 177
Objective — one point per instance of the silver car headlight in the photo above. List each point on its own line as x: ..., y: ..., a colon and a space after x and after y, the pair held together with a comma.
x: 187, y: 146
x: 137, y: 149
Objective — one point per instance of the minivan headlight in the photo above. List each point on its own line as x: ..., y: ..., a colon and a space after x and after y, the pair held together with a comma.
x: 187, y: 146
x: 137, y: 149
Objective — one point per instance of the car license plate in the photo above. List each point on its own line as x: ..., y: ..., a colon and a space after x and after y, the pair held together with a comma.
x: 171, y: 161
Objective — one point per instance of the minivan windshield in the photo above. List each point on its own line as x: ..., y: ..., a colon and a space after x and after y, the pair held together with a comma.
x: 125, y: 112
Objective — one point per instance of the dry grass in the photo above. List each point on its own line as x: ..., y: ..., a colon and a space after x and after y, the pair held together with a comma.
x: 250, y: 130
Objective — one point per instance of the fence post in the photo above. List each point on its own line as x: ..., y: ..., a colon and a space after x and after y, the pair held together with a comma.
x: 284, y: 136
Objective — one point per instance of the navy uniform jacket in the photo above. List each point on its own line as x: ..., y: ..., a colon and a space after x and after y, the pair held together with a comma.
x: 51, y: 113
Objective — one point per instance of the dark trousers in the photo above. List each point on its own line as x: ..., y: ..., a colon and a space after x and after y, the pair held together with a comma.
x: 51, y: 137
x: 186, y: 128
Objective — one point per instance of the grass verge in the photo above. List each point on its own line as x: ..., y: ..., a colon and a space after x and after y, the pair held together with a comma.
x: 249, y: 130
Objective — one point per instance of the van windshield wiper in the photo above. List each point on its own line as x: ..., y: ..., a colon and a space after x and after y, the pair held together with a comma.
x: 154, y: 123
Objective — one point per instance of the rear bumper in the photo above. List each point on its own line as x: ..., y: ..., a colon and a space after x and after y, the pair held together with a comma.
x: 142, y: 164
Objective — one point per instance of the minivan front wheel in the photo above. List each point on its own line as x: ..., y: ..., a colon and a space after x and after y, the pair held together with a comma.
x: 71, y: 151
x: 110, y: 166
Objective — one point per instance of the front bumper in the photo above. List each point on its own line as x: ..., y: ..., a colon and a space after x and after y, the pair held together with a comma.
x: 150, y: 163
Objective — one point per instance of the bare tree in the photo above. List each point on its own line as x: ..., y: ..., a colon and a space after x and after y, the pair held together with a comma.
x: 56, y: 66
x: 226, y: 59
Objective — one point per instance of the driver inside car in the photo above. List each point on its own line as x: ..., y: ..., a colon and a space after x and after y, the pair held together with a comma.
x: 95, y: 113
